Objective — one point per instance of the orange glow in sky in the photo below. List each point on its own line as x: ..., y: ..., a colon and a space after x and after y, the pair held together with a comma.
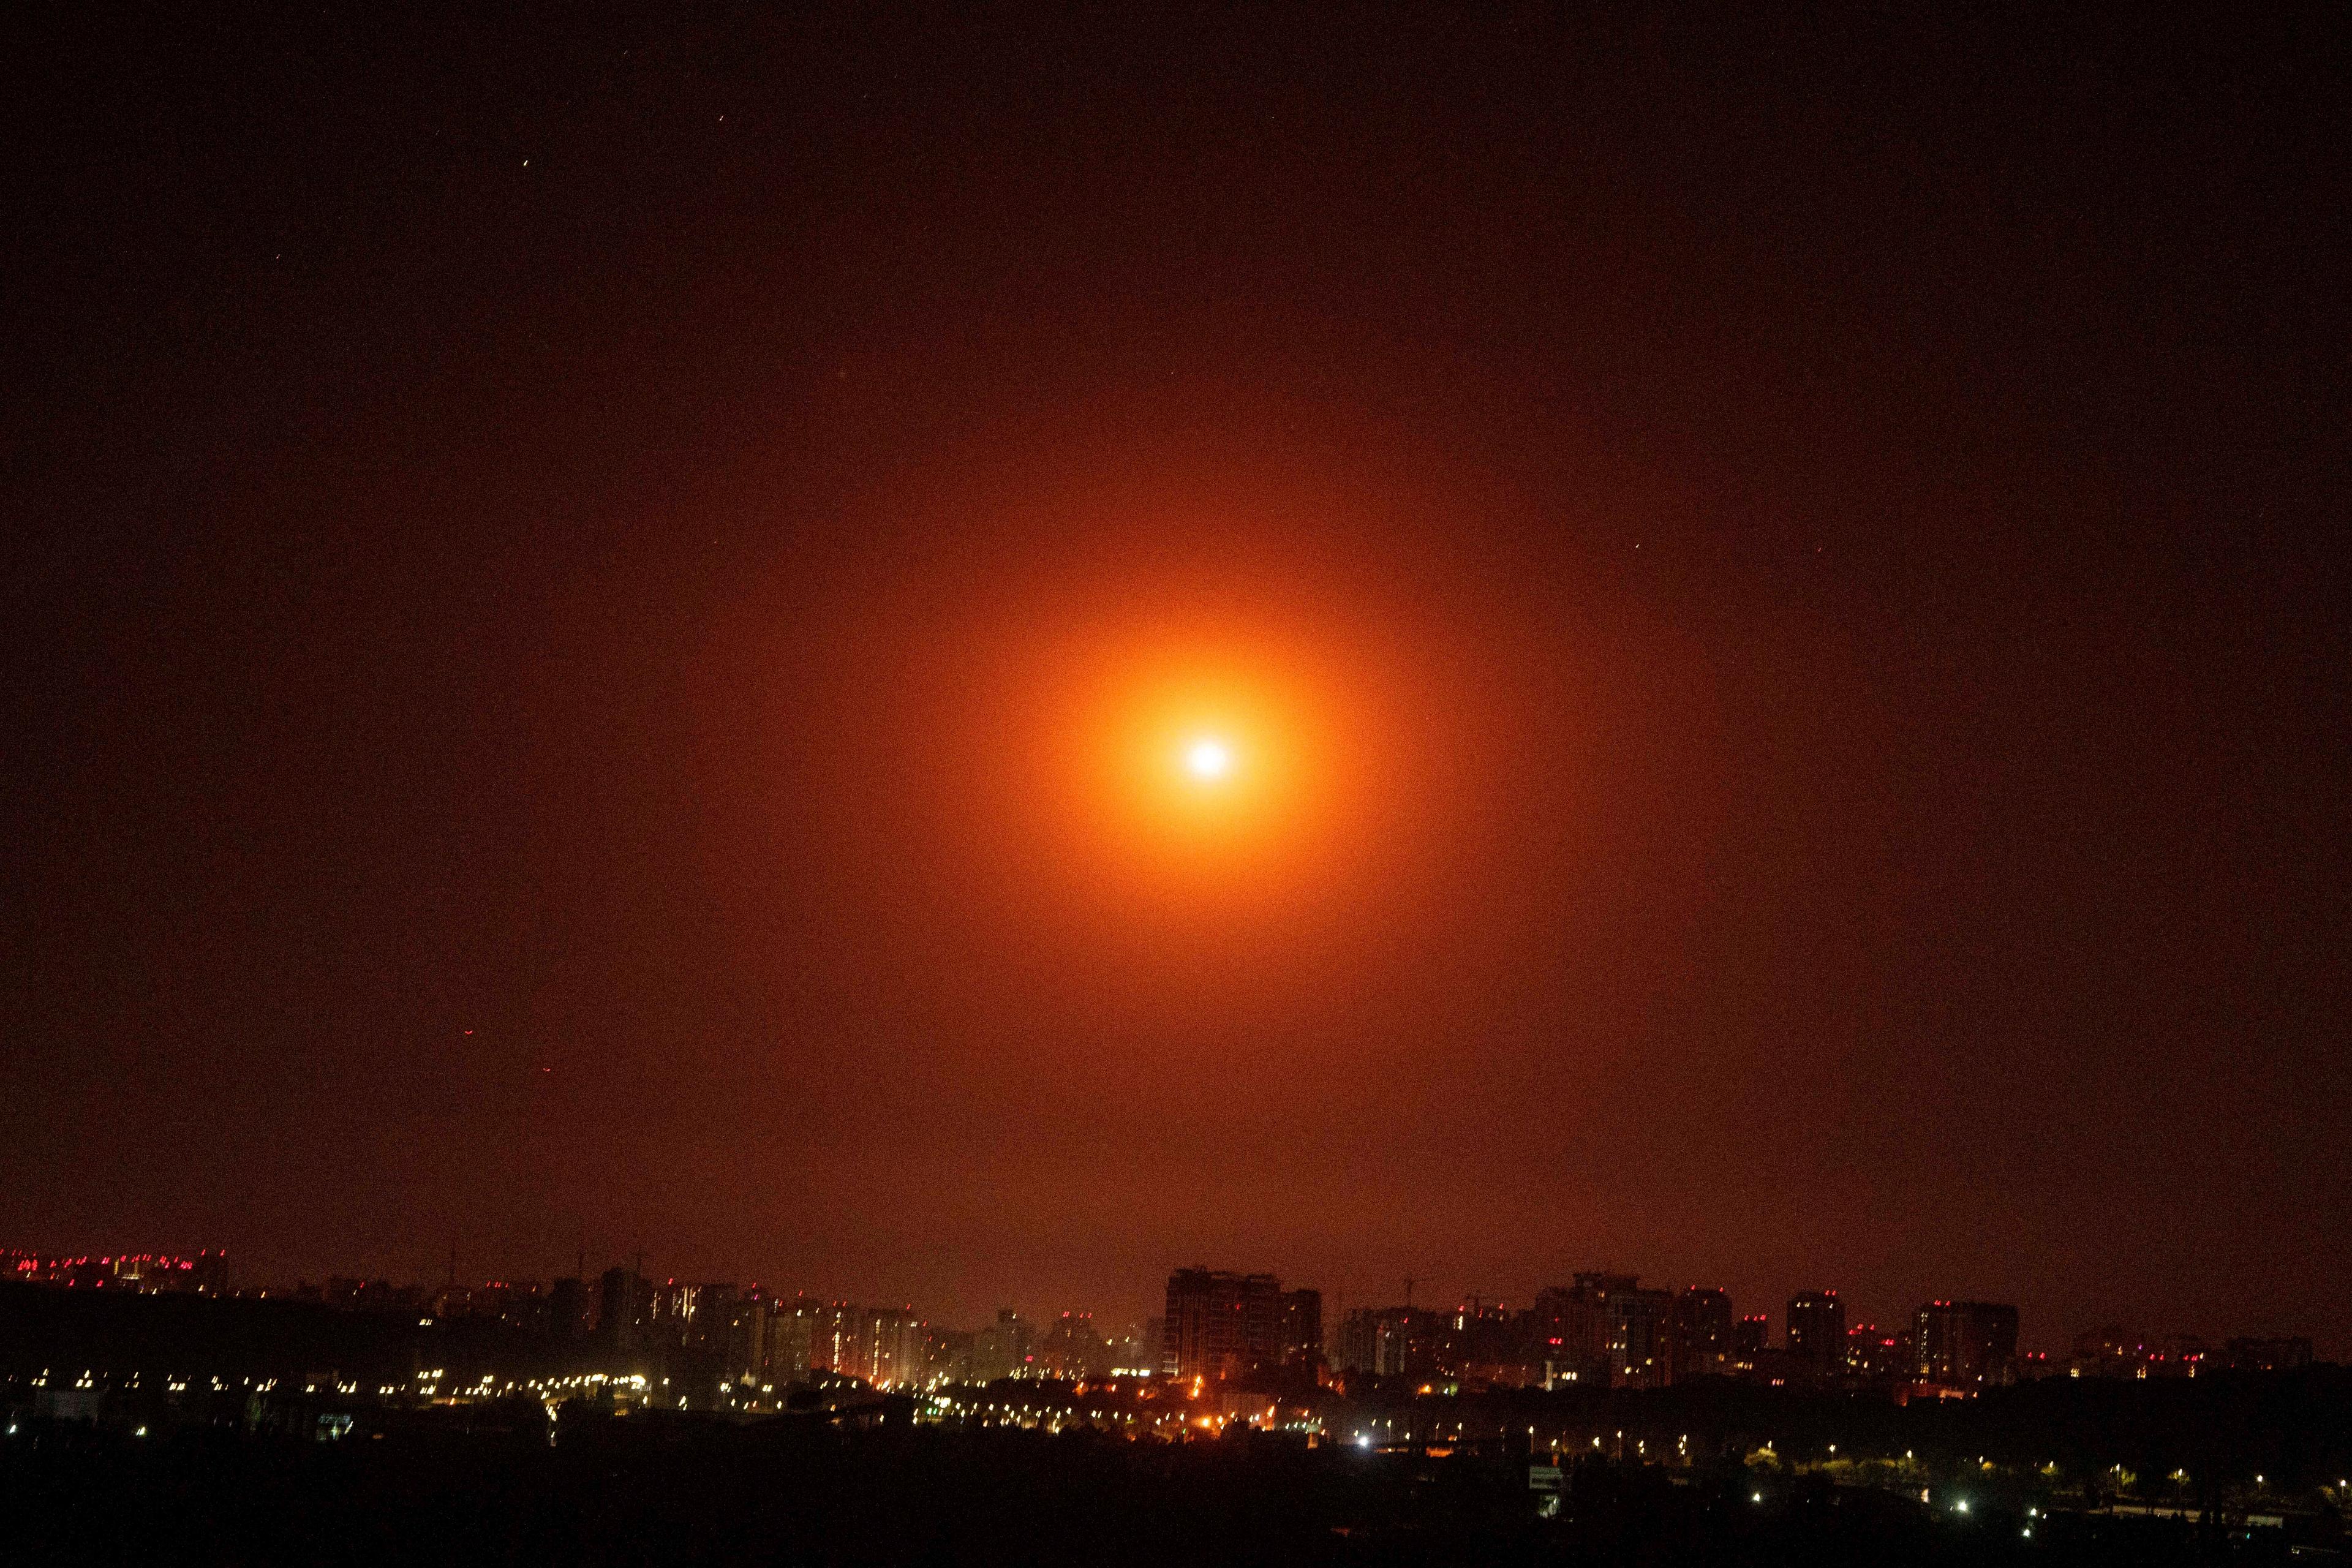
x: 1209, y: 759
x: 1218, y: 761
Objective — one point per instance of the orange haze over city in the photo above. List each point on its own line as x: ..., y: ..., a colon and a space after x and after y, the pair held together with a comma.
x: 948, y: 663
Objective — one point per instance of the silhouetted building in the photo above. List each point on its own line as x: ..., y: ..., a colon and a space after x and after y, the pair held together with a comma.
x: 1301, y: 1337
x: 2267, y: 1355
x: 1551, y: 1326
x: 727, y: 1328
x: 1005, y: 1348
x: 1072, y: 1349
x: 1220, y: 1323
x: 1604, y: 1329
x: 1640, y: 1336
x: 567, y: 1310
x: 670, y: 1323
x: 1817, y: 1333
x: 624, y: 1305
x: 792, y: 1338
x: 1964, y: 1344
x: 892, y: 1343
x: 1485, y: 1342
x: 885, y: 1346
x: 2111, y: 1352
x: 949, y: 1355
x: 1577, y: 1327
x: 1390, y: 1342
x: 1870, y: 1352
x: 1703, y: 1332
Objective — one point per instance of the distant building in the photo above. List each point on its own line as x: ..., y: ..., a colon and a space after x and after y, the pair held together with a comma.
x: 671, y: 1321
x: 567, y: 1310
x: 728, y: 1331
x: 892, y: 1347
x: 1966, y: 1344
x: 1554, y: 1338
x: 1220, y: 1324
x: 1005, y: 1348
x: 625, y: 1304
x: 1604, y: 1329
x: 1641, y: 1335
x: 143, y: 1273
x: 1390, y: 1342
x: 1750, y: 1338
x: 1876, y: 1356
x: 2267, y: 1355
x: 518, y: 1303
x: 1574, y: 1325
x: 708, y: 1318
x: 1703, y: 1332
x: 1485, y: 1343
x: 1300, y: 1339
x: 1817, y: 1333
x: 2111, y: 1352
x: 792, y: 1338
x: 1070, y: 1348
x: 948, y: 1355
x: 885, y: 1346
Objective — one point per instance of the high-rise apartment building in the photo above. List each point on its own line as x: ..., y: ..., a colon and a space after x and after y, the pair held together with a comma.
x: 1573, y: 1326
x: 1220, y: 1324
x: 793, y: 1335
x: 1641, y: 1339
x: 1390, y: 1342
x: 1301, y: 1337
x: 1965, y: 1345
x: 1005, y: 1348
x: 1870, y: 1353
x: 1817, y: 1333
x: 567, y: 1310
x: 1701, y: 1343
x: 892, y: 1343
x: 1604, y: 1329
x: 1485, y: 1342
x: 949, y: 1355
x: 2290, y: 1353
x: 1071, y: 1348
x: 624, y: 1302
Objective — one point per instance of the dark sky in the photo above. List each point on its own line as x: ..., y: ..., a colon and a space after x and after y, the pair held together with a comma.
x: 580, y: 591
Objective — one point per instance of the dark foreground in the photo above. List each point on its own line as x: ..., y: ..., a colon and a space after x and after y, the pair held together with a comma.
x: 652, y: 1490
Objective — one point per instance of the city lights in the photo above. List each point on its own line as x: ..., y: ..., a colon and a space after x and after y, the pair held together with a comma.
x: 872, y: 784
x: 1231, y: 1354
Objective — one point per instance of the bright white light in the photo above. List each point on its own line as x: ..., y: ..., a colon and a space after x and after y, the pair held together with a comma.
x: 1209, y: 758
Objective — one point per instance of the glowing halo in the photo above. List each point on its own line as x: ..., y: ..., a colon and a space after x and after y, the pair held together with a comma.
x: 1208, y: 759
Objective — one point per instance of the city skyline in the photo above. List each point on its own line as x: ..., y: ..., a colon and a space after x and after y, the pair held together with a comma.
x: 1266, y: 785
x: 2054, y: 1346
x: 1247, y: 1335
x: 968, y: 658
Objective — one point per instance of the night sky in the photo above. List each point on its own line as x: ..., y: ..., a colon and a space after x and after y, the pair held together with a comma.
x: 592, y: 605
